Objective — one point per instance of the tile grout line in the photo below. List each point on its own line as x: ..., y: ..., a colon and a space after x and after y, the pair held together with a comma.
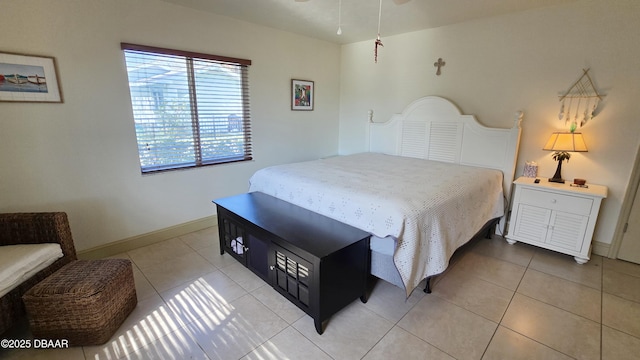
x: 507, y: 308
x: 397, y: 322
x: 453, y: 304
x: 183, y: 324
x: 505, y: 312
x: 601, y: 306
x: 527, y: 267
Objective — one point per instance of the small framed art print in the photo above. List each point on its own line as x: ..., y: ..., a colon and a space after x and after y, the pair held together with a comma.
x: 302, y: 93
x: 28, y: 78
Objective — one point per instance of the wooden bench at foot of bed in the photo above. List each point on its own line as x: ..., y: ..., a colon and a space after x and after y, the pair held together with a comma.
x: 317, y: 263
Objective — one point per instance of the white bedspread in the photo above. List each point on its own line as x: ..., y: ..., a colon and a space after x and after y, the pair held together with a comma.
x: 430, y: 207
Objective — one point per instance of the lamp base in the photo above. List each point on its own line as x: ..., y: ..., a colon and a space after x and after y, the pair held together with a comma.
x: 557, y: 177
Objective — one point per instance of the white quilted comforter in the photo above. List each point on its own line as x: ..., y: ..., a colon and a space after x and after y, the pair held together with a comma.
x: 430, y: 207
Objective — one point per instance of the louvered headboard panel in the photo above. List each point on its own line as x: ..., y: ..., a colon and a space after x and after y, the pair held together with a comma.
x: 444, y: 138
x: 433, y: 128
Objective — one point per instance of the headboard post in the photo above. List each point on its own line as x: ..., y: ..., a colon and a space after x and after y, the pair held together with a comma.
x: 512, y: 159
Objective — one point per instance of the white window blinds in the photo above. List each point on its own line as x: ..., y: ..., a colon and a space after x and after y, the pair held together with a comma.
x: 189, y: 109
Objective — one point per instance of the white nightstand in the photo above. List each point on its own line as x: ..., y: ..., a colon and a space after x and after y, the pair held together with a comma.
x: 555, y: 216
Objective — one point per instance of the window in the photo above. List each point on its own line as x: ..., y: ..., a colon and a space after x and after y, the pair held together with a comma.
x: 189, y: 109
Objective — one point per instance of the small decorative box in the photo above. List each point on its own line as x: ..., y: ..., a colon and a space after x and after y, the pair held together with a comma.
x: 531, y: 169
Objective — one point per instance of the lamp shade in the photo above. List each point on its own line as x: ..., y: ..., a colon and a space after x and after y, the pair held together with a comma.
x: 566, y: 141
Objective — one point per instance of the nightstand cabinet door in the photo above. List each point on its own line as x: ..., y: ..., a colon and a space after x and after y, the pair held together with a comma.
x: 555, y: 216
x: 567, y: 231
x: 531, y: 223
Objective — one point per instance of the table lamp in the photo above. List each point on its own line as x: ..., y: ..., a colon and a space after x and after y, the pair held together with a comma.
x: 563, y: 143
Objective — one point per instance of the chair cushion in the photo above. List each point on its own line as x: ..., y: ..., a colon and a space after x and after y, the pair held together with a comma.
x: 20, y: 262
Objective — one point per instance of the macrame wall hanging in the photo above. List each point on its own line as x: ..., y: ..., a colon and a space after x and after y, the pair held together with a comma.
x: 580, y: 102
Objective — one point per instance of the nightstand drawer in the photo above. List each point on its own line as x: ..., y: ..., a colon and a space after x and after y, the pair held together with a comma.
x: 553, y: 201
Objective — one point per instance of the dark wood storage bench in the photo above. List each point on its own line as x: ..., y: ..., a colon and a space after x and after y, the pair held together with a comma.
x: 319, y: 264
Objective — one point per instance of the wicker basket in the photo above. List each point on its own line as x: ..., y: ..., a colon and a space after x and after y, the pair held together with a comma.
x: 84, y: 302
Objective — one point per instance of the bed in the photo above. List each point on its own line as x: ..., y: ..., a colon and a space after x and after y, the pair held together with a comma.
x: 431, y: 180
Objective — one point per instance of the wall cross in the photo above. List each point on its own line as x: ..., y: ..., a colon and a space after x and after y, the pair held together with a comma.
x: 439, y: 64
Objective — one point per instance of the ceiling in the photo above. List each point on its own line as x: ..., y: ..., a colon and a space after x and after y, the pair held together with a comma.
x: 359, y: 18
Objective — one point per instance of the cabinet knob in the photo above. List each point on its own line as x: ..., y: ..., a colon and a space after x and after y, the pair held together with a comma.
x: 553, y: 201
x: 271, y: 267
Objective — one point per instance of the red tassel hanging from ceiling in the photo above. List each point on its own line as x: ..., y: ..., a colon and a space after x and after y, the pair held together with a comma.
x: 378, y: 41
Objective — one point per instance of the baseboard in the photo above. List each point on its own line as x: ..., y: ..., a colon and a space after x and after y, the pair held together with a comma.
x: 600, y: 248
x: 153, y: 237
x: 120, y: 246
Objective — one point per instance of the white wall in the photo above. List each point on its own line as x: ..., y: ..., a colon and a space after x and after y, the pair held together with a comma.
x: 523, y: 61
x: 81, y: 156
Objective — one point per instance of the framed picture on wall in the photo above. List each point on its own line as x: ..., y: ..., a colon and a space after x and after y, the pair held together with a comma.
x: 28, y: 78
x: 301, y: 94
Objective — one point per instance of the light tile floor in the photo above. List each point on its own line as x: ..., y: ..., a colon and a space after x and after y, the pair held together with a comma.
x: 496, y: 301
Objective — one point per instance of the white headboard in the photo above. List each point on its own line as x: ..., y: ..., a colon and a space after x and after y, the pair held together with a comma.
x: 433, y: 128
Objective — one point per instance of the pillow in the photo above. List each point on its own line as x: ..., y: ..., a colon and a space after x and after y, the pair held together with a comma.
x: 20, y: 262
